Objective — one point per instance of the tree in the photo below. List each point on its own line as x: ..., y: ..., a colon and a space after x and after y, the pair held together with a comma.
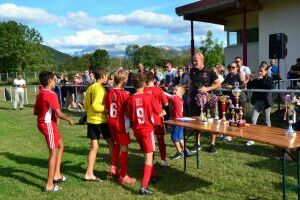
x: 213, y: 51
x: 133, y: 55
x: 20, y: 47
x: 99, y: 58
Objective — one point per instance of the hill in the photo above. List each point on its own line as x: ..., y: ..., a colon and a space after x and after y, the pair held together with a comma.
x: 58, y: 57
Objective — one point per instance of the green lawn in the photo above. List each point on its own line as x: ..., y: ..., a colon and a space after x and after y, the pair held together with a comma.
x: 234, y: 172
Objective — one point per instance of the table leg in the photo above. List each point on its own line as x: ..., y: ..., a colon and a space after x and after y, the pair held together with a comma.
x: 197, y: 159
x: 298, y: 173
x: 283, y: 174
x: 184, y: 149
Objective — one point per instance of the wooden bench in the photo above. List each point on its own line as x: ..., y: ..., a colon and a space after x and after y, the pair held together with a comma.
x: 262, y: 134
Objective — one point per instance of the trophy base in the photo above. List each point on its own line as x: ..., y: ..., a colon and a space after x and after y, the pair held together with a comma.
x: 204, y: 122
x: 210, y: 120
x: 290, y: 133
x: 238, y: 124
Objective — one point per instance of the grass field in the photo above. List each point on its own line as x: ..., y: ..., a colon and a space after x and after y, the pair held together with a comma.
x: 234, y: 172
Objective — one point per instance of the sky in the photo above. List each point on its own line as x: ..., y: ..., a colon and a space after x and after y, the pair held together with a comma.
x: 72, y: 25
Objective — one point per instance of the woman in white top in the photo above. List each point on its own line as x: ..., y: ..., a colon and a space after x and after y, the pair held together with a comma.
x: 219, y: 69
x: 20, y: 84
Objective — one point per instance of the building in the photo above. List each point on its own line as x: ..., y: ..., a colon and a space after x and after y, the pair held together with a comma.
x: 248, y: 24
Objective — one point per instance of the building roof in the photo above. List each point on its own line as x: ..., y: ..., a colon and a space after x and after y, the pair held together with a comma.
x: 216, y: 11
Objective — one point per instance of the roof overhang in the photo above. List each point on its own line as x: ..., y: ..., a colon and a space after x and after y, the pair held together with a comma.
x: 216, y: 11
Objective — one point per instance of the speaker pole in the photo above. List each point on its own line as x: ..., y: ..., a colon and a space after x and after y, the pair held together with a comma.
x: 278, y: 85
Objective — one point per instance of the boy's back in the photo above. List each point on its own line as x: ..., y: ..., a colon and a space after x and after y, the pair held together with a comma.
x: 115, y: 102
x: 139, y: 110
x: 94, y: 104
x: 158, y: 99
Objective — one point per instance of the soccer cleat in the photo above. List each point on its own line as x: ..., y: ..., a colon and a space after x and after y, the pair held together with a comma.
x: 177, y: 156
x: 250, y: 143
x: 164, y: 163
x: 186, y: 153
x: 212, y: 149
x: 196, y: 148
x: 126, y: 180
x: 112, y: 175
x: 228, y: 138
x: 145, y: 191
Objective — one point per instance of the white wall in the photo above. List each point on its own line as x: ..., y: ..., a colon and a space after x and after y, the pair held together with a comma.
x: 278, y: 16
x: 237, y: 50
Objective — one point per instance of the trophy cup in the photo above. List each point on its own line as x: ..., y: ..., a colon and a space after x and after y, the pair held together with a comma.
x: 224, y: 100
x: 237, y: 111
x: 236, y: 92
x: 290, y: 113
x: 201, y: 99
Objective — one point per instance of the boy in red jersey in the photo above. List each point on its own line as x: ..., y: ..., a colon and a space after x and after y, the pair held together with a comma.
x: 140, y: 110
x: 177, y: 112
x: 159, y: 100
x: 118, y: 126
x: 47, y: 109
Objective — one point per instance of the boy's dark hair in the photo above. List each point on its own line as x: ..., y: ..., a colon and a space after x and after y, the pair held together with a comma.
x: 150, y: 77
x: 99, y: 72
x: 45, y: 76
x: 138, y: 80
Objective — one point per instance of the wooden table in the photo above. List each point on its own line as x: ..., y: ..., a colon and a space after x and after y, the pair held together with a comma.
x: 262, y: 134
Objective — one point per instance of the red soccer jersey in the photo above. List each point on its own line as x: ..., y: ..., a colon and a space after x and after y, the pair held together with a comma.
x: 158, y: 99
x: 140, y: 111
x: 177, y: 106
x: 45, y: 106
x: 115, y: 103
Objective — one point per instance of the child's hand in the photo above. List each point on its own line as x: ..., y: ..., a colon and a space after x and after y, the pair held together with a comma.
x: 71, y: 122
x: 163, y: 113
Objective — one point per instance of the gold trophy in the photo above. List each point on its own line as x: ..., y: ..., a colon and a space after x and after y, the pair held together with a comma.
x: 223, y: 100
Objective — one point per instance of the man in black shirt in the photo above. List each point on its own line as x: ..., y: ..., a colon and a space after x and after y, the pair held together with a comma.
x: 294, y: 72
x: 202, y: 79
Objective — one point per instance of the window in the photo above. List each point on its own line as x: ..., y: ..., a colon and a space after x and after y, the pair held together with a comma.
x: 236, y: 37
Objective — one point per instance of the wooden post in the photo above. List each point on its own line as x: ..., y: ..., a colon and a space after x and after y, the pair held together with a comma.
x: 192, y: 41
x: 245, y: 37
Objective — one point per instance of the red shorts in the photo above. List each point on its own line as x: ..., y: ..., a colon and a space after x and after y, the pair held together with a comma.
x: 146, y: 141
x: 119, y: 135
x: 51, y: 133
x: 159, y: 130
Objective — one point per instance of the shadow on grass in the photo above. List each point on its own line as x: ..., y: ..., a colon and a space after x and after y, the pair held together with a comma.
x: 19, y: 174
x: 68, y: 169
x: 171, y: 181
x: 274, y: 166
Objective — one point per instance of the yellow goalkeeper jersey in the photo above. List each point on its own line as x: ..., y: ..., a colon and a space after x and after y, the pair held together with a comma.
x: 94, y: 104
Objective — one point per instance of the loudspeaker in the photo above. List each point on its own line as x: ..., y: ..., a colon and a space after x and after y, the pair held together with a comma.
x: 277, y: 46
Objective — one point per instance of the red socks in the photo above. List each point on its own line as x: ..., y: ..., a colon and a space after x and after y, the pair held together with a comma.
x: 114, y: 157
x: 123, y: 163
x: 146, y: 175
x: 162, y: 147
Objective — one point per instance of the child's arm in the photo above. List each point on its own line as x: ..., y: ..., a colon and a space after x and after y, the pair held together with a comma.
x: 63, y: 116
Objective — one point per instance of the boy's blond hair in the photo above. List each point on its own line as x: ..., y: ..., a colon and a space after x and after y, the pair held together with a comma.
x: 180, y: 88
x: 119, y: 76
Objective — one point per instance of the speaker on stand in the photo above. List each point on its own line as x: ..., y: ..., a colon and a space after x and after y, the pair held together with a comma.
x: 278, y: 50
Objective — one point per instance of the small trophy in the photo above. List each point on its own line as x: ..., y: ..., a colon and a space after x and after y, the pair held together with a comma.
x: 290, y: 113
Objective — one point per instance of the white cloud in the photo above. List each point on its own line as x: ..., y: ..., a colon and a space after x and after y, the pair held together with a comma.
x: 77, y: 20
x: 155, y: 20
x: 95, y: 37
x: 23, y: 14
x: 10, y: 11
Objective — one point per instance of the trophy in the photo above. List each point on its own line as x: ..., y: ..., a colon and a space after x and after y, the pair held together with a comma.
x: 290, y: 113
x: 236, y: 111
x: 212, y: 104
x: 224, y: 100
x: 201, y: 99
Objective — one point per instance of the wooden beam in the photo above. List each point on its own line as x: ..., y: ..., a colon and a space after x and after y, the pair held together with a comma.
x: 202, y: 18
